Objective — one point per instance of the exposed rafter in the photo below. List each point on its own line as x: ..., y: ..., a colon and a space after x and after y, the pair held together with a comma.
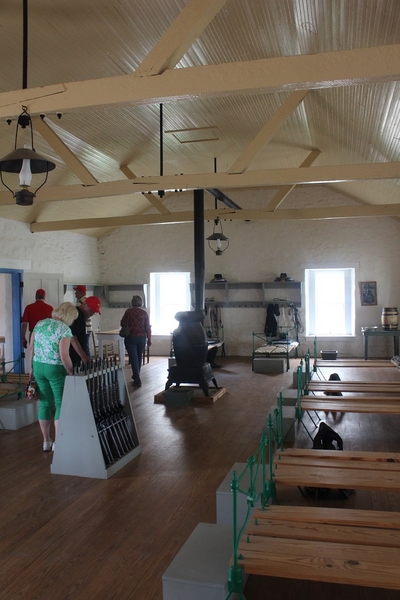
x: 342, y: 212
x: 267, y: 178
x: 154, y: 201
x: 268, y: 131
x: 283, y: 74
x: 286, y: 189
x: 186, y: 28
x: 63, y: 151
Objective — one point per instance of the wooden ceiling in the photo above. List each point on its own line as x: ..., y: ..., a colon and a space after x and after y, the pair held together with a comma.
x: 238, y: 94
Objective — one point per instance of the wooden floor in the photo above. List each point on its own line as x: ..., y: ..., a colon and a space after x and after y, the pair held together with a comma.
x: 65, y: 537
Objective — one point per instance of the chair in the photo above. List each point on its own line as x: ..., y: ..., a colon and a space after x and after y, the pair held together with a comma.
x: 146, y: 354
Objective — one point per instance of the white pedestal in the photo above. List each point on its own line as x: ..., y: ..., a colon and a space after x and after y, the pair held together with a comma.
x: 17, y: 413
x: 289, y: 424
x: 269, y: 365
x: 303, y: 379
x: 289, y: 397
x: 200, y: 569
x: 224, y: 497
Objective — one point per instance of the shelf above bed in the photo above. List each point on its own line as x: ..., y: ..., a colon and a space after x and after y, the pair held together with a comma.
x: 230, y: 294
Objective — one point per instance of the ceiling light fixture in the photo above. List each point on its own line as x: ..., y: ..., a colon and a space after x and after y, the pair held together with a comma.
x: 217, y: 237
x: 26, y: 162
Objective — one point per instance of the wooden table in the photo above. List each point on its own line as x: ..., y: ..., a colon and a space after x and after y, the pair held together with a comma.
x: 395, y: 333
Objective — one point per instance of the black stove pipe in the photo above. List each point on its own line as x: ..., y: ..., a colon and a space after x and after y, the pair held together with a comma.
x: 199, y: 260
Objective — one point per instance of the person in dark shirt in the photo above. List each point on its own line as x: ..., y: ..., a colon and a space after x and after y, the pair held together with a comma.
x: 139, y: 329
x: 79, y: 350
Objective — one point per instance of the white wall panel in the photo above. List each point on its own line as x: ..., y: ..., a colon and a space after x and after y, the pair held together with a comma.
x: 259, y: 251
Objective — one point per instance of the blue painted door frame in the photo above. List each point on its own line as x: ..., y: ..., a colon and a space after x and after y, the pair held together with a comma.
x: 16, y: 293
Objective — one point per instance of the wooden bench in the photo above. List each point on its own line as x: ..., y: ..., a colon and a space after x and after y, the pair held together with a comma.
x: 337, y: 469
x: 358, y: 547
x: 16, y: 378
x: 387, y: 387
x: 9, y: 388
x: 352, y: 404
x: 353, y: 362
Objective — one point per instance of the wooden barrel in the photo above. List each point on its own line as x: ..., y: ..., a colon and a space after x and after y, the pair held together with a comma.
x: 390, y: 318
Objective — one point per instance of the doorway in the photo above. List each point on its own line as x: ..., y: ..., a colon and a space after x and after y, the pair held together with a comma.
x: 10, y: 319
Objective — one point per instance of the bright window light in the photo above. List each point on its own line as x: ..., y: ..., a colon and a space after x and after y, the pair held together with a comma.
x: 169, y: 294
x: 330, y: 302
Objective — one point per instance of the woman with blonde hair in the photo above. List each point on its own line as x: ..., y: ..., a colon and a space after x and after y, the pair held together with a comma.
x: 51, y: 364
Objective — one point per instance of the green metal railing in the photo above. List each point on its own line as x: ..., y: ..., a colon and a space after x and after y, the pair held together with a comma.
x: 256, y: 464
x: 4, y: 377
x: 315, y: 367
x: 271, y: 440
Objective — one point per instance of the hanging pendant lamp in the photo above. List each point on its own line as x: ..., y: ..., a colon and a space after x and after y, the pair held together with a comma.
x: 219, y: 241
x: 25, y: 161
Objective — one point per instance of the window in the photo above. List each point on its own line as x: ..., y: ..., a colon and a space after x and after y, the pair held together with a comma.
x: 330, y: 302
x: 169, y: 294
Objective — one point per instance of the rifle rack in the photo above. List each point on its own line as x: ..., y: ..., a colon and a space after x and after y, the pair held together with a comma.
x: 90, y: 442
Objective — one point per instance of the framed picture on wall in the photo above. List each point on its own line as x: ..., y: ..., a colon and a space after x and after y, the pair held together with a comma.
x: 368, y: 293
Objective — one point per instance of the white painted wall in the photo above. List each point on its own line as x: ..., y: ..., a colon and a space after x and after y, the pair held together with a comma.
x: 73, y: 255
x: 258, y: 251
x: 261, y: 250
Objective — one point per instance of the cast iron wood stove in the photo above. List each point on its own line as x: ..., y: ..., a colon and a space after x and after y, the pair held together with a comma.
x: 190, y: 349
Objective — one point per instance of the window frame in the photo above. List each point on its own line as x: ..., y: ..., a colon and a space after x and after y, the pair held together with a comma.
x: 350, y: 300
x: 156, y: 303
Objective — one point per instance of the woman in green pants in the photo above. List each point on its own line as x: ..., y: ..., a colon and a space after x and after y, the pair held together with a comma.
x: 51, y: 363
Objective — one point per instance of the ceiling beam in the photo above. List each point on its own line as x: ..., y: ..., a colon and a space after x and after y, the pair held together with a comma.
x: 265, y: 178
x: 297, y: 214
x: 286, y: 189
x: 154, y: 201
x: 63, y: 151
x: 268, y: 131
x: 282, y: 74
x: 179, y: 37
